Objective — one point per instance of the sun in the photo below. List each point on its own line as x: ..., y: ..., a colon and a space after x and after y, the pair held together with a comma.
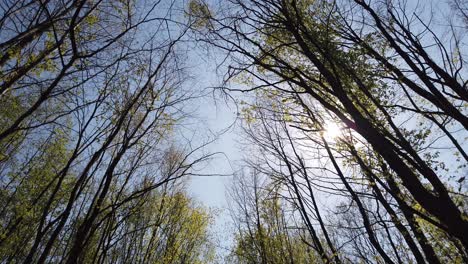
x: 332, y: 130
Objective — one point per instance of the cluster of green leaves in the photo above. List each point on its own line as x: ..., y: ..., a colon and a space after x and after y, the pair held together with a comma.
x: 265, y: 231
x: 160, y: 228
x: 199, y: 14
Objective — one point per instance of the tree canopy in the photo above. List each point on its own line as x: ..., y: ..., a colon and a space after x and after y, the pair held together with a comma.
x: 352, y: 118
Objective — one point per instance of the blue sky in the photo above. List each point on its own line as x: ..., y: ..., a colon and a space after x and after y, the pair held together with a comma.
x: 210, y: 191
x: 215, y: 118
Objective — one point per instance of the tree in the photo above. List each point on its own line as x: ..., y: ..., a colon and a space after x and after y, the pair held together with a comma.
x: 163, y: 227
x: 91, y: 95
x: 264, y: 232
x: 367, y: 67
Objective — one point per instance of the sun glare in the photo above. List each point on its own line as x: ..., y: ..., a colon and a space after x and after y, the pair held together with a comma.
x: 332, y: 131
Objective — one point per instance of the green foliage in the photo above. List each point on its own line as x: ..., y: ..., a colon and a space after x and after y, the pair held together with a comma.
x: 199, y: 14
x: 162, y: 228
x: 27, y: 194
x: 10, y: 108
x: 270, y: 242
x: 263, y: 233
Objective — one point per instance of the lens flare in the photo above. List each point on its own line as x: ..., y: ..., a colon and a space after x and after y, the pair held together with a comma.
x: 332, y: 131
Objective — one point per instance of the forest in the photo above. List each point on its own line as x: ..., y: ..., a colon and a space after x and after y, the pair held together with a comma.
x: 351, y: 117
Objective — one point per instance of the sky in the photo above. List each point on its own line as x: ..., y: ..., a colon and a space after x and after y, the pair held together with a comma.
x: 217, y: 118
x: 211, y: 191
